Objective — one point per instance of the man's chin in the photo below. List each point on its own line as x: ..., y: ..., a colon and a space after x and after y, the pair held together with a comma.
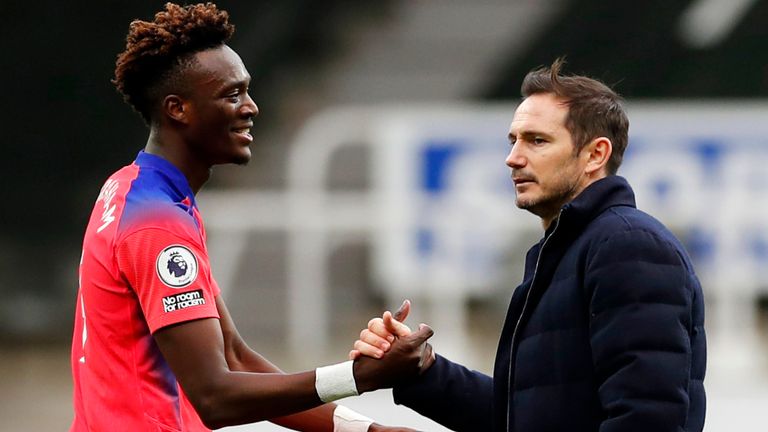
x: 239, y: 160
x: 525, y: 204
x: 242, y: 162
x: 242, y: 158
x: 536, y: 207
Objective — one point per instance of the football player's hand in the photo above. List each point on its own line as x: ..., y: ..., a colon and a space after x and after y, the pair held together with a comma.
x: 407, y: 357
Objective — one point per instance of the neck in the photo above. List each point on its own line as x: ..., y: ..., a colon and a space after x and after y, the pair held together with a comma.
x: 578, y: 188
x: 546, y: 222
x: 172, y: 148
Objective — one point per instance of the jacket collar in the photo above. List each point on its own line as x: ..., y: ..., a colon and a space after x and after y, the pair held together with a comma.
x: 598, y: 197
x: 611, y: 191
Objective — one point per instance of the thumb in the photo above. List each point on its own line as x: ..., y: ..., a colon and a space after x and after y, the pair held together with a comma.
x: 402, y: 313
x: 422, y: 334
x: 394, y: 326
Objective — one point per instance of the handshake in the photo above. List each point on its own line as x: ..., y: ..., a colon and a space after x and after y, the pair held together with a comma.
x: 387, y: 353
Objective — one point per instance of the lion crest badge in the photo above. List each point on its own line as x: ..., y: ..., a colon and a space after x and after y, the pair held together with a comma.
x: 177, y: 266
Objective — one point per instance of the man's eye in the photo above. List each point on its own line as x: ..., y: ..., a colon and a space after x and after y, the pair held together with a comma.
x: 539, y: 140
x: 233, y: 96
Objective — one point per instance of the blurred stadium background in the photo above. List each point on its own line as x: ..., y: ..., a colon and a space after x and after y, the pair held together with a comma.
x: 375, y: 171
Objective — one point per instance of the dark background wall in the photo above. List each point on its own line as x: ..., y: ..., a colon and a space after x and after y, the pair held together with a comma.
x: 637, y: 46
x: 65, y: 129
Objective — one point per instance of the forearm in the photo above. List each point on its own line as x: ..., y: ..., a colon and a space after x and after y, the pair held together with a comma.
x: 327, y: 417
x: 228, y: 385
x: 247, y: 397
x: 240, y: 357
x: 318, y: 419
x: 451, y: 395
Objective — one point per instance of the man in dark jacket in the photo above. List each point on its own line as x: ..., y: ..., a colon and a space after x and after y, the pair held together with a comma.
x: 606, y: 331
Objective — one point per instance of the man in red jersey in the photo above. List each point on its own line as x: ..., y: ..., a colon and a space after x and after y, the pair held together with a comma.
x: 154, y: 348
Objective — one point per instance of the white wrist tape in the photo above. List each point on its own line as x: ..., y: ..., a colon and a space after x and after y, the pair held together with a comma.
x: 346, y: 420
x: 335, y: 382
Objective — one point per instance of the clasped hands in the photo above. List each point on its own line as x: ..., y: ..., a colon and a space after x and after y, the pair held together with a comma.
x: 388, y: 351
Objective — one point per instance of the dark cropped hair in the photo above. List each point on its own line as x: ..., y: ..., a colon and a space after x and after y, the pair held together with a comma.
x: 594, y: 110
x: 156, y: 53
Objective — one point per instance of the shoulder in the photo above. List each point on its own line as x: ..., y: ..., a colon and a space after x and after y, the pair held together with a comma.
x: 629, y: 233
x: 628, y: 221
x: 153, y: 212
x: 154, y: 209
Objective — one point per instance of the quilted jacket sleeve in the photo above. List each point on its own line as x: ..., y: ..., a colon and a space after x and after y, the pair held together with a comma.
x: 640, y: 319
x: 451, y: 395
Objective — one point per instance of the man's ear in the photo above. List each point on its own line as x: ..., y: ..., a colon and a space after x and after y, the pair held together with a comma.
x: 176, y: 108
x: 598, y: 151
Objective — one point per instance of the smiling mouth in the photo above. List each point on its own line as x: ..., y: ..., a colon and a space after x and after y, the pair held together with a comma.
x: 244, y: 132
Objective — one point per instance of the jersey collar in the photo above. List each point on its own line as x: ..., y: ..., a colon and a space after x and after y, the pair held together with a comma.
x: 169, y: 170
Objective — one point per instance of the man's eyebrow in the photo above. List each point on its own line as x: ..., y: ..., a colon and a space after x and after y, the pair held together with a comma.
x: 528, y: 133
x: 237, y: 84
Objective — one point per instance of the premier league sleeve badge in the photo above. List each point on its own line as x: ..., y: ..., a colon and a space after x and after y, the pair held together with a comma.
x: 177, y: 266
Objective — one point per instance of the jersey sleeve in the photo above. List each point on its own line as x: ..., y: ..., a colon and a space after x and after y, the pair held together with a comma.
x: 170, y: 274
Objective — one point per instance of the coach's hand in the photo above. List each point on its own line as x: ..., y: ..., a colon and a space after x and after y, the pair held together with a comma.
x: 375, y: 340
x: 404, y: 359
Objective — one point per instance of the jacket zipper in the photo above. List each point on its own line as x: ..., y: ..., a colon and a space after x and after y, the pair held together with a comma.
x: 522, y: 312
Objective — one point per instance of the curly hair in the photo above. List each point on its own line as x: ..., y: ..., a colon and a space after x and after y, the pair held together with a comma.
x: 157, y: 52
x: 594, y: 109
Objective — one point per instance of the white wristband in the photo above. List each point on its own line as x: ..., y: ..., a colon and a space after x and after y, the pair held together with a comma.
x: 335, y: 382
x: 346, y: 420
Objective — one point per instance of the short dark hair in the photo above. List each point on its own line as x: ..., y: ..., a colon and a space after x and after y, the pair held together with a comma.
x: 594, y: 109
x: 157, y: 52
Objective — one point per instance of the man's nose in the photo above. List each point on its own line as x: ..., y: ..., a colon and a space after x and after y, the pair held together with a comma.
x: 515, y: 159
x: 249, y: 107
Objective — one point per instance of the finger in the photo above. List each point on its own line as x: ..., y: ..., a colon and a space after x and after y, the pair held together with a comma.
x: 402, y: 313
x: 367, y: 350
x: 374, y: 340
x: 353, y: 354
x: 427, y: 358
x: 395, y: 327
x: 421, y: 335
x: 377, y: 327
x: 375, y: 321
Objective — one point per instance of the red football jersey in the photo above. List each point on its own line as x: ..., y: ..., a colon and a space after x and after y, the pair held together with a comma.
x: 144, y: 266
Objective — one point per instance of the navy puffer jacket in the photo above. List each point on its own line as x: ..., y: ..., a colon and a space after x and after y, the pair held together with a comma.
x: 606, y: 333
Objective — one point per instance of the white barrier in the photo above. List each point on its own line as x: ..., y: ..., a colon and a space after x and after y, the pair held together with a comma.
x: 440, y: 214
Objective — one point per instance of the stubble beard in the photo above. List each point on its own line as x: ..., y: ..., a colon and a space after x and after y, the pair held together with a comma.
x: 548, y: 205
